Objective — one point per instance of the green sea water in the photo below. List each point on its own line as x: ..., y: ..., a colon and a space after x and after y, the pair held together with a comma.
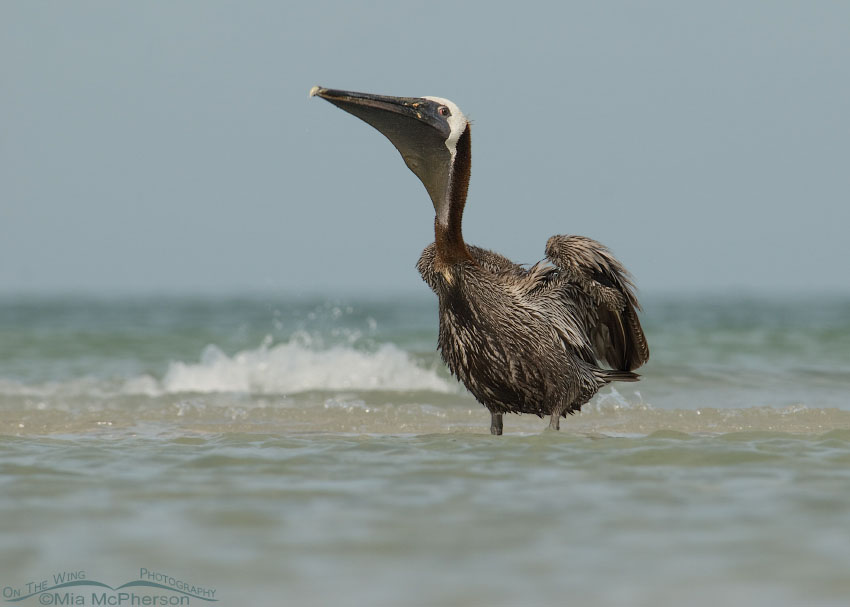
x: 314, y: 451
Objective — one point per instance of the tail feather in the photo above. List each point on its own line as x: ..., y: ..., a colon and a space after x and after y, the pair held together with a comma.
x: 608, y: 375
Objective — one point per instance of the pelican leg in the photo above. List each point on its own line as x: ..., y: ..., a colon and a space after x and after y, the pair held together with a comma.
x: 495, y: 423
x: 555, y: 420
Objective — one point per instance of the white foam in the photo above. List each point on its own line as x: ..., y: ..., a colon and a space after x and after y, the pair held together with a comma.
x: 291, y: 368
x: 287, y: 368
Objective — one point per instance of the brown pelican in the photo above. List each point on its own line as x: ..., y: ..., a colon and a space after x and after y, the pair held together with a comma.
x: 521, y: 340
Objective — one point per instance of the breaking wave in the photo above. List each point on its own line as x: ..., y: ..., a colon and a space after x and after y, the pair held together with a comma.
x: 291, y: 368
x: 286, y: 368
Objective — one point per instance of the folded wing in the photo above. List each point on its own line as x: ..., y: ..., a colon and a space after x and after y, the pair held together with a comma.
x: 617, y: 336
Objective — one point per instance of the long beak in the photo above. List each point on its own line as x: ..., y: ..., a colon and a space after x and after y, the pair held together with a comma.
x: 383, y: 112
x: 412, y: 124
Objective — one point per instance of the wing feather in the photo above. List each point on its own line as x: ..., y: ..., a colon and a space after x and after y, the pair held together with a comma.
x: 617, y: 337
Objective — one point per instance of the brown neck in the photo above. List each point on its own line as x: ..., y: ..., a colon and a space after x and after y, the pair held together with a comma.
x: 451, y: 248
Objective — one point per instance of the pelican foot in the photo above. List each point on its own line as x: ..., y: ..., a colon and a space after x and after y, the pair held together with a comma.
x: 555, y: 421
x: 496, y: 424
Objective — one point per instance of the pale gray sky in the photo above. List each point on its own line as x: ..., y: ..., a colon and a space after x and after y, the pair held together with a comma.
x: 171, y: 146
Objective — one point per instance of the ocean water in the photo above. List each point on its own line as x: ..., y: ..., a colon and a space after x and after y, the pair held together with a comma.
x: 315, y: 451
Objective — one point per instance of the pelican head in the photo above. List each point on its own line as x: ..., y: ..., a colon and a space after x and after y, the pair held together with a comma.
x: 425, y: 131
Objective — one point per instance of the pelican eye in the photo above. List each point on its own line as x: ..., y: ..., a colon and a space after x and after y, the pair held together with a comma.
x: 444, y: 111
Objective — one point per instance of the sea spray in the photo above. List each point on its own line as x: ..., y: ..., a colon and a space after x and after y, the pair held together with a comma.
x: 291, y: 368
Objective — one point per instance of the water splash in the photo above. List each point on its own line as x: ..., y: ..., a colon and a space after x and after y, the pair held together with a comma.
x: 292, y: 368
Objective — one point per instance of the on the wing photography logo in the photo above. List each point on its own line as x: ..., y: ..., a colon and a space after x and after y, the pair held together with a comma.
x: 77, y: 588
